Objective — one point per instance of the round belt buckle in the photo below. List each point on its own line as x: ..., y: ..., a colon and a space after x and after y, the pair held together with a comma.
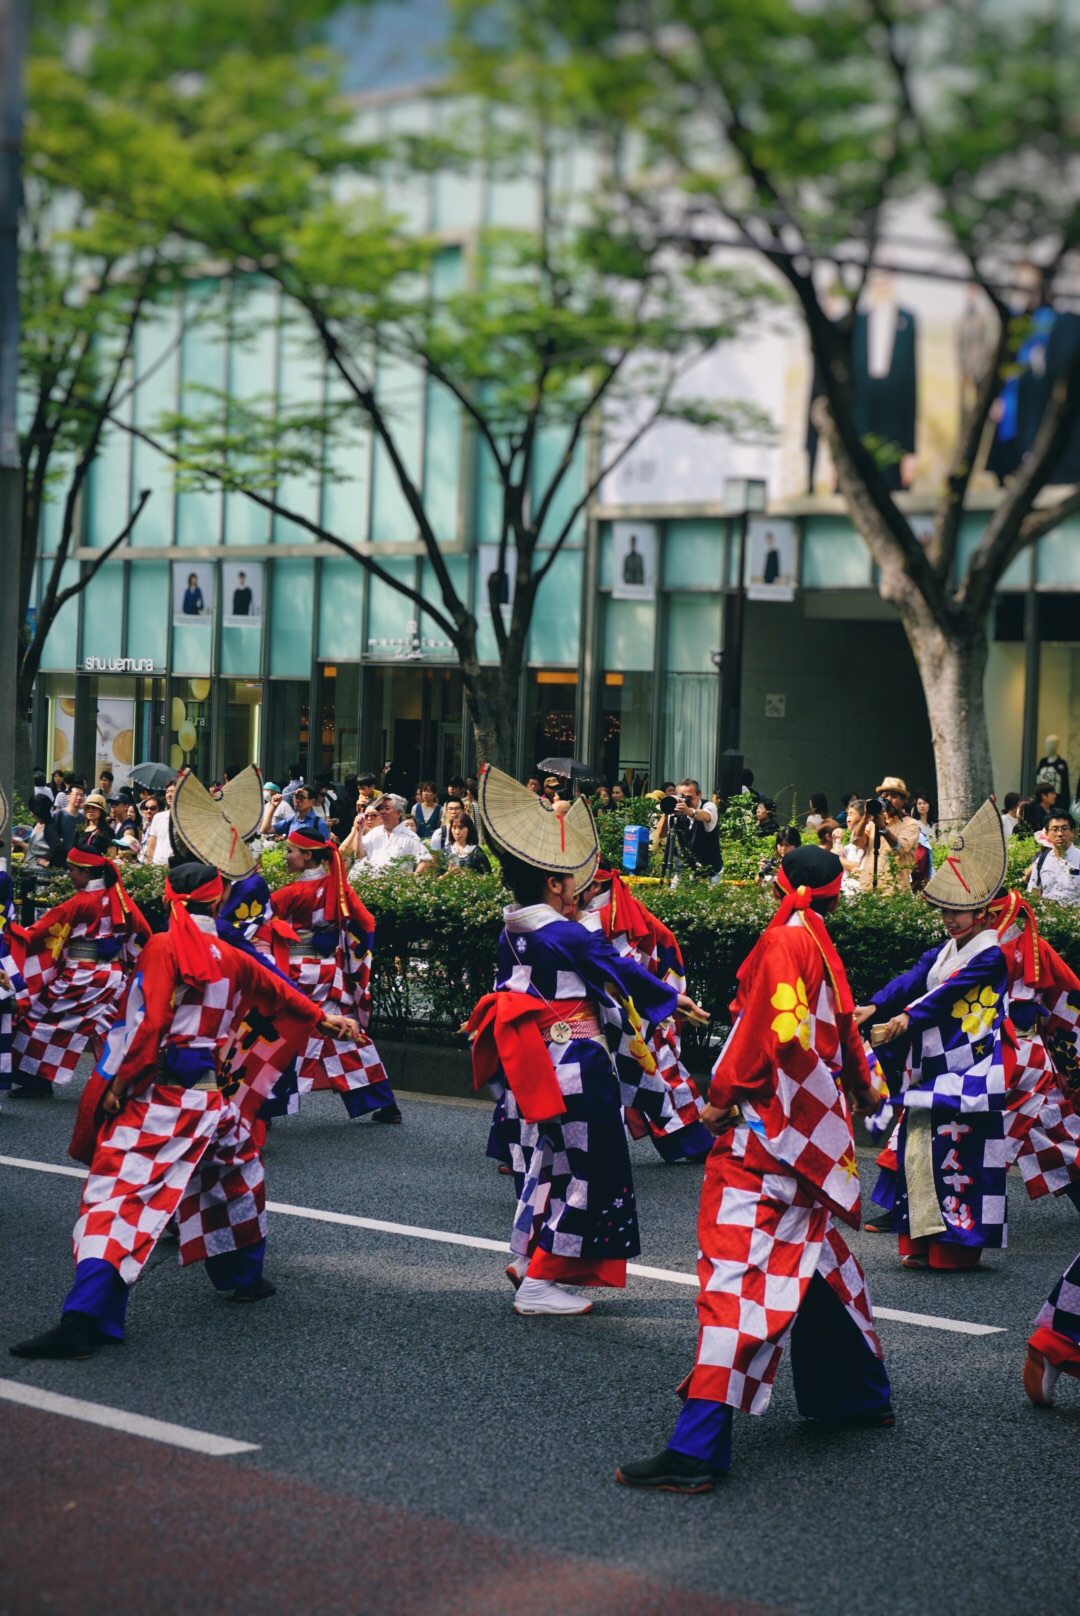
x: 560, y: 1032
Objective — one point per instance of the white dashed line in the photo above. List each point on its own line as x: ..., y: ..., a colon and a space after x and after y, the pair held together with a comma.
x: 446, y: 1237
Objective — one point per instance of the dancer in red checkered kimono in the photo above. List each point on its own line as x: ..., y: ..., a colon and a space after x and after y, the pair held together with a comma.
x: 75, y: 961
x: 773, y: 1265
x: 170, y: 1143
x: 950, y: 1050
x: 541, y: 1037
x: 1042, y: 1124
x: 634, y: 931
x: 1054, y: 1346
x: 330, y: 960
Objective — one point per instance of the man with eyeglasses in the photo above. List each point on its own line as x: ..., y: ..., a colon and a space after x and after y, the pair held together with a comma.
x: 391, y: 842
x: 1055, y: 874
x: 698, y: 831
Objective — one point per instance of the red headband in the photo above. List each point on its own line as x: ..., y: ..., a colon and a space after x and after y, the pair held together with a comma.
x: 798, y: 901
x: 343, y: 902
x: 120, y: 904
x: 197, y: 964
x: 1011, y: 910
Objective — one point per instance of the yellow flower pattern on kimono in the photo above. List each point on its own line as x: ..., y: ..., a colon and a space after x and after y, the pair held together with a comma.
x: 793, y: 1022
x: 251, y: 910
x: 56, y: 936
x: 977, y: 1011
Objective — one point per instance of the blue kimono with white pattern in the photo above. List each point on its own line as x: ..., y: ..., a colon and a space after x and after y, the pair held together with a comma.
x: 954, y: 1071
x: 576, y: 1190
x: 15, y: 997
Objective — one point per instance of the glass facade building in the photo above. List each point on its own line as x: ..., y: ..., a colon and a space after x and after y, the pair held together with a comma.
x: 221, y: 633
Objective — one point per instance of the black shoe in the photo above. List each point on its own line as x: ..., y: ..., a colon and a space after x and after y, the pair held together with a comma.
x: 258, y: 1292
x: 387, y: 1113
x: 871, y: 1419
x: 879, y: 1225
x: 32, y: 1088
x: 76, y: 1336
x: 670, y: 1472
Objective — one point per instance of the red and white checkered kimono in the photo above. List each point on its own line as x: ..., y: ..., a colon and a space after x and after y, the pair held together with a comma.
x: 339, y: 982
x: 72, y: 1001
x: 776, y: 1181
x: 1042, y: 1124
x: 183, y: 1149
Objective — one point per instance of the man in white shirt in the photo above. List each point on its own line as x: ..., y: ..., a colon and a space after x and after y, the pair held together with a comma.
x: 158, y: 843
x: 391, y: 842
x: 1056, y: 871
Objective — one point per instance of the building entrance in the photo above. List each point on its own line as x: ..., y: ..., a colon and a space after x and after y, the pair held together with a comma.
x: 412, y: 721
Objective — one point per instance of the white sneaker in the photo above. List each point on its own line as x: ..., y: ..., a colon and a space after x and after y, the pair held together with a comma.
x: 540, y: 1296
x: 516, y: 1270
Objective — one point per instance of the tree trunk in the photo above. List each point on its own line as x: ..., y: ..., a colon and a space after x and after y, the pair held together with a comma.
x: 24, y: 759
x: 952, y: 667
x: 493, y: 706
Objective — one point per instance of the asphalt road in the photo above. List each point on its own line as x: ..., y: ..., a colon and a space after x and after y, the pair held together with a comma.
x: 422, y: 1448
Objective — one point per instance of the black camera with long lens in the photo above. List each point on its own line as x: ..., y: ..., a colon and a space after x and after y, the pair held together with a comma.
x: 668, y: 805
x: 874, y: 806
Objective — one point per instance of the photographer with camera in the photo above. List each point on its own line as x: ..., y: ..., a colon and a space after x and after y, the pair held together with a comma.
x: 888, y: 836
x: 694, y: 824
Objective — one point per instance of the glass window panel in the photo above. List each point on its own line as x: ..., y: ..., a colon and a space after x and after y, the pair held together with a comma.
x: 286, y: 727
x: 607, y: 557
x: 552, y: 724
x: 626, y: 709
x: 400, y: 391
x: 689, y: 718
x: 458, y: 568
x: 61, y: 647
x: 253, y: 357
x: 550, y: 447
x: 241, y: 649
x: 458, y: 194
x: 1058, y: 557
x: 148, y: 611
x: 115, y: 728
x: 157, y: 364
x: 190, y: 729
x: 971, y: 531
x: 1059, y: 705
x: 834, y: 555
x: 191, y: 650
x: 103, y: 612
x: 693, y: 633
x: 203, y: 380
x: 243, y: 716
x: 693, y: 556
x: 107, y: 491
x: 513, y: 196
x: 556, y: 621
x: 629, y: 630
x: 59, y: 693
x: 409, y: 195
x: 489, y: 499
x: 347, y: 485
x: 341, y: 609
x: 291, y: 622
x: 301, y: 387
x: 389, y: 612
x: 442, y: 463
x: 340, y: 733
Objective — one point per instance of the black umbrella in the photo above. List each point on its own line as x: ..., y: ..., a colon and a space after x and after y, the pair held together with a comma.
x: 566, y: 768
x: 155, y: 776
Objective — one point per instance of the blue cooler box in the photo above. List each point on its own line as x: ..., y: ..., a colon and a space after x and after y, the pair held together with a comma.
x: 635, y: 849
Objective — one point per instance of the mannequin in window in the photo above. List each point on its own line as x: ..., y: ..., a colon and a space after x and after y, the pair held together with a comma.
x: 633, y: 567
x: 772, y: 560
x: 241, y: 598
x: 1052, y: 770
x: 884, y: 378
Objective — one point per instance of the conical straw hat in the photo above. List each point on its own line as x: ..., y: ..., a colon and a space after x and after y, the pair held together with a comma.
x: 242, y: 801
x: 974, y: 866
x: 524, y: 825
x: 203, y: 825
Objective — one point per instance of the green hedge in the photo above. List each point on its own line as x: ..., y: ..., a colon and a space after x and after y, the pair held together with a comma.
x: 436, y: 940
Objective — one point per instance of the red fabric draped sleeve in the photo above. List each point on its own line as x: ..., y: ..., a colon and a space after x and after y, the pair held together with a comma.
x: 507, y: 1032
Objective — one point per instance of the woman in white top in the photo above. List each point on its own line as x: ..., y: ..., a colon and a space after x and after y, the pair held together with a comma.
x: 849, y: 855
x: 923, y: 813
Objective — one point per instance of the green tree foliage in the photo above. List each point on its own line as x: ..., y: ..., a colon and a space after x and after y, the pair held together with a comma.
x: 796, y: 132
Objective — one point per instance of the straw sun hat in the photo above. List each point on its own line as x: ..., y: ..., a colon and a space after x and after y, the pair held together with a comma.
x: 524, y: 825
x: 974, y: 866
x: 216, y: 829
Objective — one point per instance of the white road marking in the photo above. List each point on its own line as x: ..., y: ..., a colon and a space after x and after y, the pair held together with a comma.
x: 118, y: 1419
x: 446, y: 1237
